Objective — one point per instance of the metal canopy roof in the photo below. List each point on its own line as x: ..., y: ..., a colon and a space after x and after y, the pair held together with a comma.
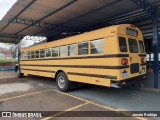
x: 61, y: 18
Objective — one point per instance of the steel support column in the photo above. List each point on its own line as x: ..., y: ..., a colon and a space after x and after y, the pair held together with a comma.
x: 145, y: 5
x: 155, y: 47
x: 18, y: 53
x: 153, y: 11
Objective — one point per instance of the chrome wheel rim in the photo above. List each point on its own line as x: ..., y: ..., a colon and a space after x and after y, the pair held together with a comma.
x: 61, y: 82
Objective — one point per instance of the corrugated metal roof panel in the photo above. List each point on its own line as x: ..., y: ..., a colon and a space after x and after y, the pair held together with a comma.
x: 80, y: 14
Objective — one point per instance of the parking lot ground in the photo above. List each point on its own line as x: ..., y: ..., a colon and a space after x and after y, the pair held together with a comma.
x: 40, y: 94
x: 28, y: 94
x: 7, y: 74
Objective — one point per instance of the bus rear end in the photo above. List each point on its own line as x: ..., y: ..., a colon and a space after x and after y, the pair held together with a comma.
x: 130, y: 43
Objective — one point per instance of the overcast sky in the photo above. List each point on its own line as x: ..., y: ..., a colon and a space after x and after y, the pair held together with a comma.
x: 27, y: 42
x: 5, y: 6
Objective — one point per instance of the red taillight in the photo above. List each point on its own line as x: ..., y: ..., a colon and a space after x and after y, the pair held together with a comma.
x: 97, y: 80
x: 124, y: 61
x: 142, y: 60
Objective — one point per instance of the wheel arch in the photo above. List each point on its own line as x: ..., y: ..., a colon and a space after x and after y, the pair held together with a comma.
x: 58, y: 71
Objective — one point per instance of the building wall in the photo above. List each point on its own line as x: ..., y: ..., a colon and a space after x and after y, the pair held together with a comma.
x: 2, y: 56
x: 5, y: 56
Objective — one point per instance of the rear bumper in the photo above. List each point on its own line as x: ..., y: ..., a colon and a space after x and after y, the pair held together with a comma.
x: 123, y: 83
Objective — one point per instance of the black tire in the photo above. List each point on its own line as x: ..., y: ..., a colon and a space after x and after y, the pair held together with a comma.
x: 19, y: 75
x: 62, y: 82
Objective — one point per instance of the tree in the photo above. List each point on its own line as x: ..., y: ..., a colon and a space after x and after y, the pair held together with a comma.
x: 13, y: 48
x: 2, y: 50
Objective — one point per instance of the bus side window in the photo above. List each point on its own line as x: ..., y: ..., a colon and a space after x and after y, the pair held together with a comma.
x: 63, y: 52
x: 72, y: 50
x: 22, y: 55
x: 32, y: 54
x: 83, y: 48
x: 122, y: 44
x: 25, y: 55
x: 97, y: 46
x: 42, y: 53
x: 37, y: 54
x: 28, y: 55
x: 48, y: 52
x: 55, y: 52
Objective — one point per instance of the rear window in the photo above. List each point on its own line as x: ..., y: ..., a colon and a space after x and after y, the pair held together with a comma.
x: 131, y: 32
x: 133, y: 46
x: 141, y: 46
x: 122, y: 44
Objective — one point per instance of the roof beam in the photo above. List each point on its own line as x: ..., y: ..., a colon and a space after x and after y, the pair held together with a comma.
x: 93, y: 11
x: 88, y: 13
x: 10, y: 38
x: 46, y: 16
x: 144, y: 5
x: 11, y: 35
x: 129, y: 17
x: 18, y: 14
x: 42, y: 25
x: 119, y: 18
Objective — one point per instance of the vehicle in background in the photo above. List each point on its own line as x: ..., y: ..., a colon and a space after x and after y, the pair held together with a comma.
x: 150, y: 60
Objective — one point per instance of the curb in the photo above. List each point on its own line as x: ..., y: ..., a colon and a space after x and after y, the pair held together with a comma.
x: 7, y: 69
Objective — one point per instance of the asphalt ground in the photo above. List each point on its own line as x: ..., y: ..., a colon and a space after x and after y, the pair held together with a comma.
x: 41, y: 94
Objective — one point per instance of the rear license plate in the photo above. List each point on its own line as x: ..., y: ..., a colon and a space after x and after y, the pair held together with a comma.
x: 124, y: 74
x: 143, y: 71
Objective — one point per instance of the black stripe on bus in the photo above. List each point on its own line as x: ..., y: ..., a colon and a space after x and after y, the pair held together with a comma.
x: 81, y: 66
x: 92, y: 75
x: 82, y: 57
x: 38, y: 70
x: 142, y: 55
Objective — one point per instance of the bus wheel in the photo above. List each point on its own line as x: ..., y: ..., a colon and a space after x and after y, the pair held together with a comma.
x: 19, y: 75
x: 62, y: 82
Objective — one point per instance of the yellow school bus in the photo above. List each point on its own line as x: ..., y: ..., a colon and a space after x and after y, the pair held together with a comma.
x: 113, y: 56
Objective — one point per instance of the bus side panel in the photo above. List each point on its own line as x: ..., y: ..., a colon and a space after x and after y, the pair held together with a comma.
x: 90, y: 80
x: 37, y: 73
x: 111, y: 45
